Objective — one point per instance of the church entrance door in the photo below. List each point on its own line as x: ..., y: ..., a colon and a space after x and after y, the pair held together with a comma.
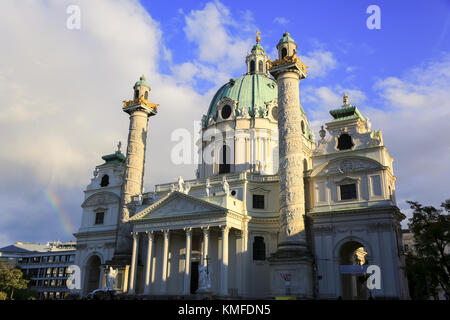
x: 353, y: 265
x: 194, y: 277
x: 93, y: 273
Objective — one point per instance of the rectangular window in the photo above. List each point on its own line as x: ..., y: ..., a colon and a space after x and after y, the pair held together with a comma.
x: 71, y: 258
x: 348, y: 191
x: 258, y: 201
x: 54, y: 272
x: 99, y: 216
x: 49, y: 272
x: 61, y: 272
x: 376, y: 185
x: 51, y: 259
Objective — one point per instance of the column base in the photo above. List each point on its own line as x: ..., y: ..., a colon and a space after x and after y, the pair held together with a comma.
x: 291, y: 272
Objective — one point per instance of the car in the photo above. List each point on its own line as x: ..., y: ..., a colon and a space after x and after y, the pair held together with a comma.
x: 102, y: 294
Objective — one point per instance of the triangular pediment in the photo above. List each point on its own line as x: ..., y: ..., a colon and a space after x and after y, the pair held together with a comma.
x: 177, y: 204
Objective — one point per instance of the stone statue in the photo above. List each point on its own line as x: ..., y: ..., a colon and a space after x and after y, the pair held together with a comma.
x: 119, y: 145
x: 368, y: 124
x: 208, y: 187
x: 180, y: 184
x: 140, y: 199
x: 345, y: 100
x: 204, y: 279
x: 225, y: 186
x: 187, y: 187
x: 111, y: 279
x: 172, y: 187
x: 244, y: 112
x: 95, y: 173
x: 265, y: 111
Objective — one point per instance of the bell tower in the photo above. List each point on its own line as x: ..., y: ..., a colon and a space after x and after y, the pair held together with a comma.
x: 140, y: 110
x: 291, y: 264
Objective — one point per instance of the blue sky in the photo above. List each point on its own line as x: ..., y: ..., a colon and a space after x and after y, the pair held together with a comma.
x: 61, y: 90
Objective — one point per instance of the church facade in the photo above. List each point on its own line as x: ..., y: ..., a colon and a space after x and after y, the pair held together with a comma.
x: 271, y: 211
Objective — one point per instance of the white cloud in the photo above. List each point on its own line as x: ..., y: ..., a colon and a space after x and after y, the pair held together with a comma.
x: 319, y: 62
x: 281, y: 20
x: 61, y: 93
x: 220, y: 54
x: 416, y: 131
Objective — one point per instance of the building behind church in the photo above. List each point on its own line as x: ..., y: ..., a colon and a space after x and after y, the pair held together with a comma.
x: 271, y: 212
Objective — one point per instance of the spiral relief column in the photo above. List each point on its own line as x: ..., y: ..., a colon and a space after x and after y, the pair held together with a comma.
x: 139, y: 109
x: 291, y: 265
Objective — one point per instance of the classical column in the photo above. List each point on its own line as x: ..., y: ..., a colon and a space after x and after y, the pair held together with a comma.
x: 292, y: 193
x: 224, y: 266
x: 134, y: 257
x: 187, y: 267
x: 148, y: 265
x: 102, y: 275
x: 139, y: 110
x: 292, y: 256
x: 205, y: 246
x: 165, y: 262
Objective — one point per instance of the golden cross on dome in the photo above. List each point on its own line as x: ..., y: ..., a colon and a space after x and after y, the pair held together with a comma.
x: 258, y: 38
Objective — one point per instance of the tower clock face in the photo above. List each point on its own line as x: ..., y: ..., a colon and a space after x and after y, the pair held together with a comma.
x: 226, y: 112
x: 275, y: 113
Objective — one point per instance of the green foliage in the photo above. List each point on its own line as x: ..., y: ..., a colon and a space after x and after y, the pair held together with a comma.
x: 3, y: 295
x: 11, y: 279
x: 428, y: 264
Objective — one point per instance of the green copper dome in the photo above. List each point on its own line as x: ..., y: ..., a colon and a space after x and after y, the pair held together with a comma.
x: 286, y: 38
x: 250, y: 90
x: 142, y: 82
x: 258, y: 49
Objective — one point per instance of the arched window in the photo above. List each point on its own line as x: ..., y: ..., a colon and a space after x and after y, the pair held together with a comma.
x: 224, y: 165
x: 146, y: 95
x: 305, y: 165
x: 261, y: 66
x: 283, y: 53
x: 345, y: 142
x: 259, y: 249
x: 252, y: 66
x: 303, y: 127
x: 105, y: 181
x: 136, y: 94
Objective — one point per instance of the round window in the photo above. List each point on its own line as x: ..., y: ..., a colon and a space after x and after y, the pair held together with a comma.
x: 275, y: 113
x: 226, y: 112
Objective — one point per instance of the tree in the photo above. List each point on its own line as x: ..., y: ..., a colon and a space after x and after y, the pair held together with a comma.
x: 11, y: 279
x: 428, y: 264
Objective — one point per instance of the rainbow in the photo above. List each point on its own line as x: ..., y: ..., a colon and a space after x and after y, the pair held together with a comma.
x: 54, y: 201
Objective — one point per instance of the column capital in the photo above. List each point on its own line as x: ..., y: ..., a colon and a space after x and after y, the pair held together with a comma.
x: 150, y: 234
x: 135, y: 234
x: 225, y: 228
x: 188, y: 231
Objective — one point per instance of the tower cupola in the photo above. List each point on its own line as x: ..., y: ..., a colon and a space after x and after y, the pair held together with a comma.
x: 141, y: 88
x: 256, y: 59
x: 286, y: 46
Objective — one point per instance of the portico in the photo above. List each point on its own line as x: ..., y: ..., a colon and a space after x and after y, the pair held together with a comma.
x: 178, y: 233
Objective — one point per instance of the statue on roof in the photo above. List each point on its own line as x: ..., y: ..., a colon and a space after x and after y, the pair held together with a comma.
x: 345, y: 100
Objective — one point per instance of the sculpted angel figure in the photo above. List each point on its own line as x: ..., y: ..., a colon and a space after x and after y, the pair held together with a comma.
x: 111, y: 279
x: 225, y: 186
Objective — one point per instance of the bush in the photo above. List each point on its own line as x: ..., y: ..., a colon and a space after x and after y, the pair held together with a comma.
x: 3, y: 295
